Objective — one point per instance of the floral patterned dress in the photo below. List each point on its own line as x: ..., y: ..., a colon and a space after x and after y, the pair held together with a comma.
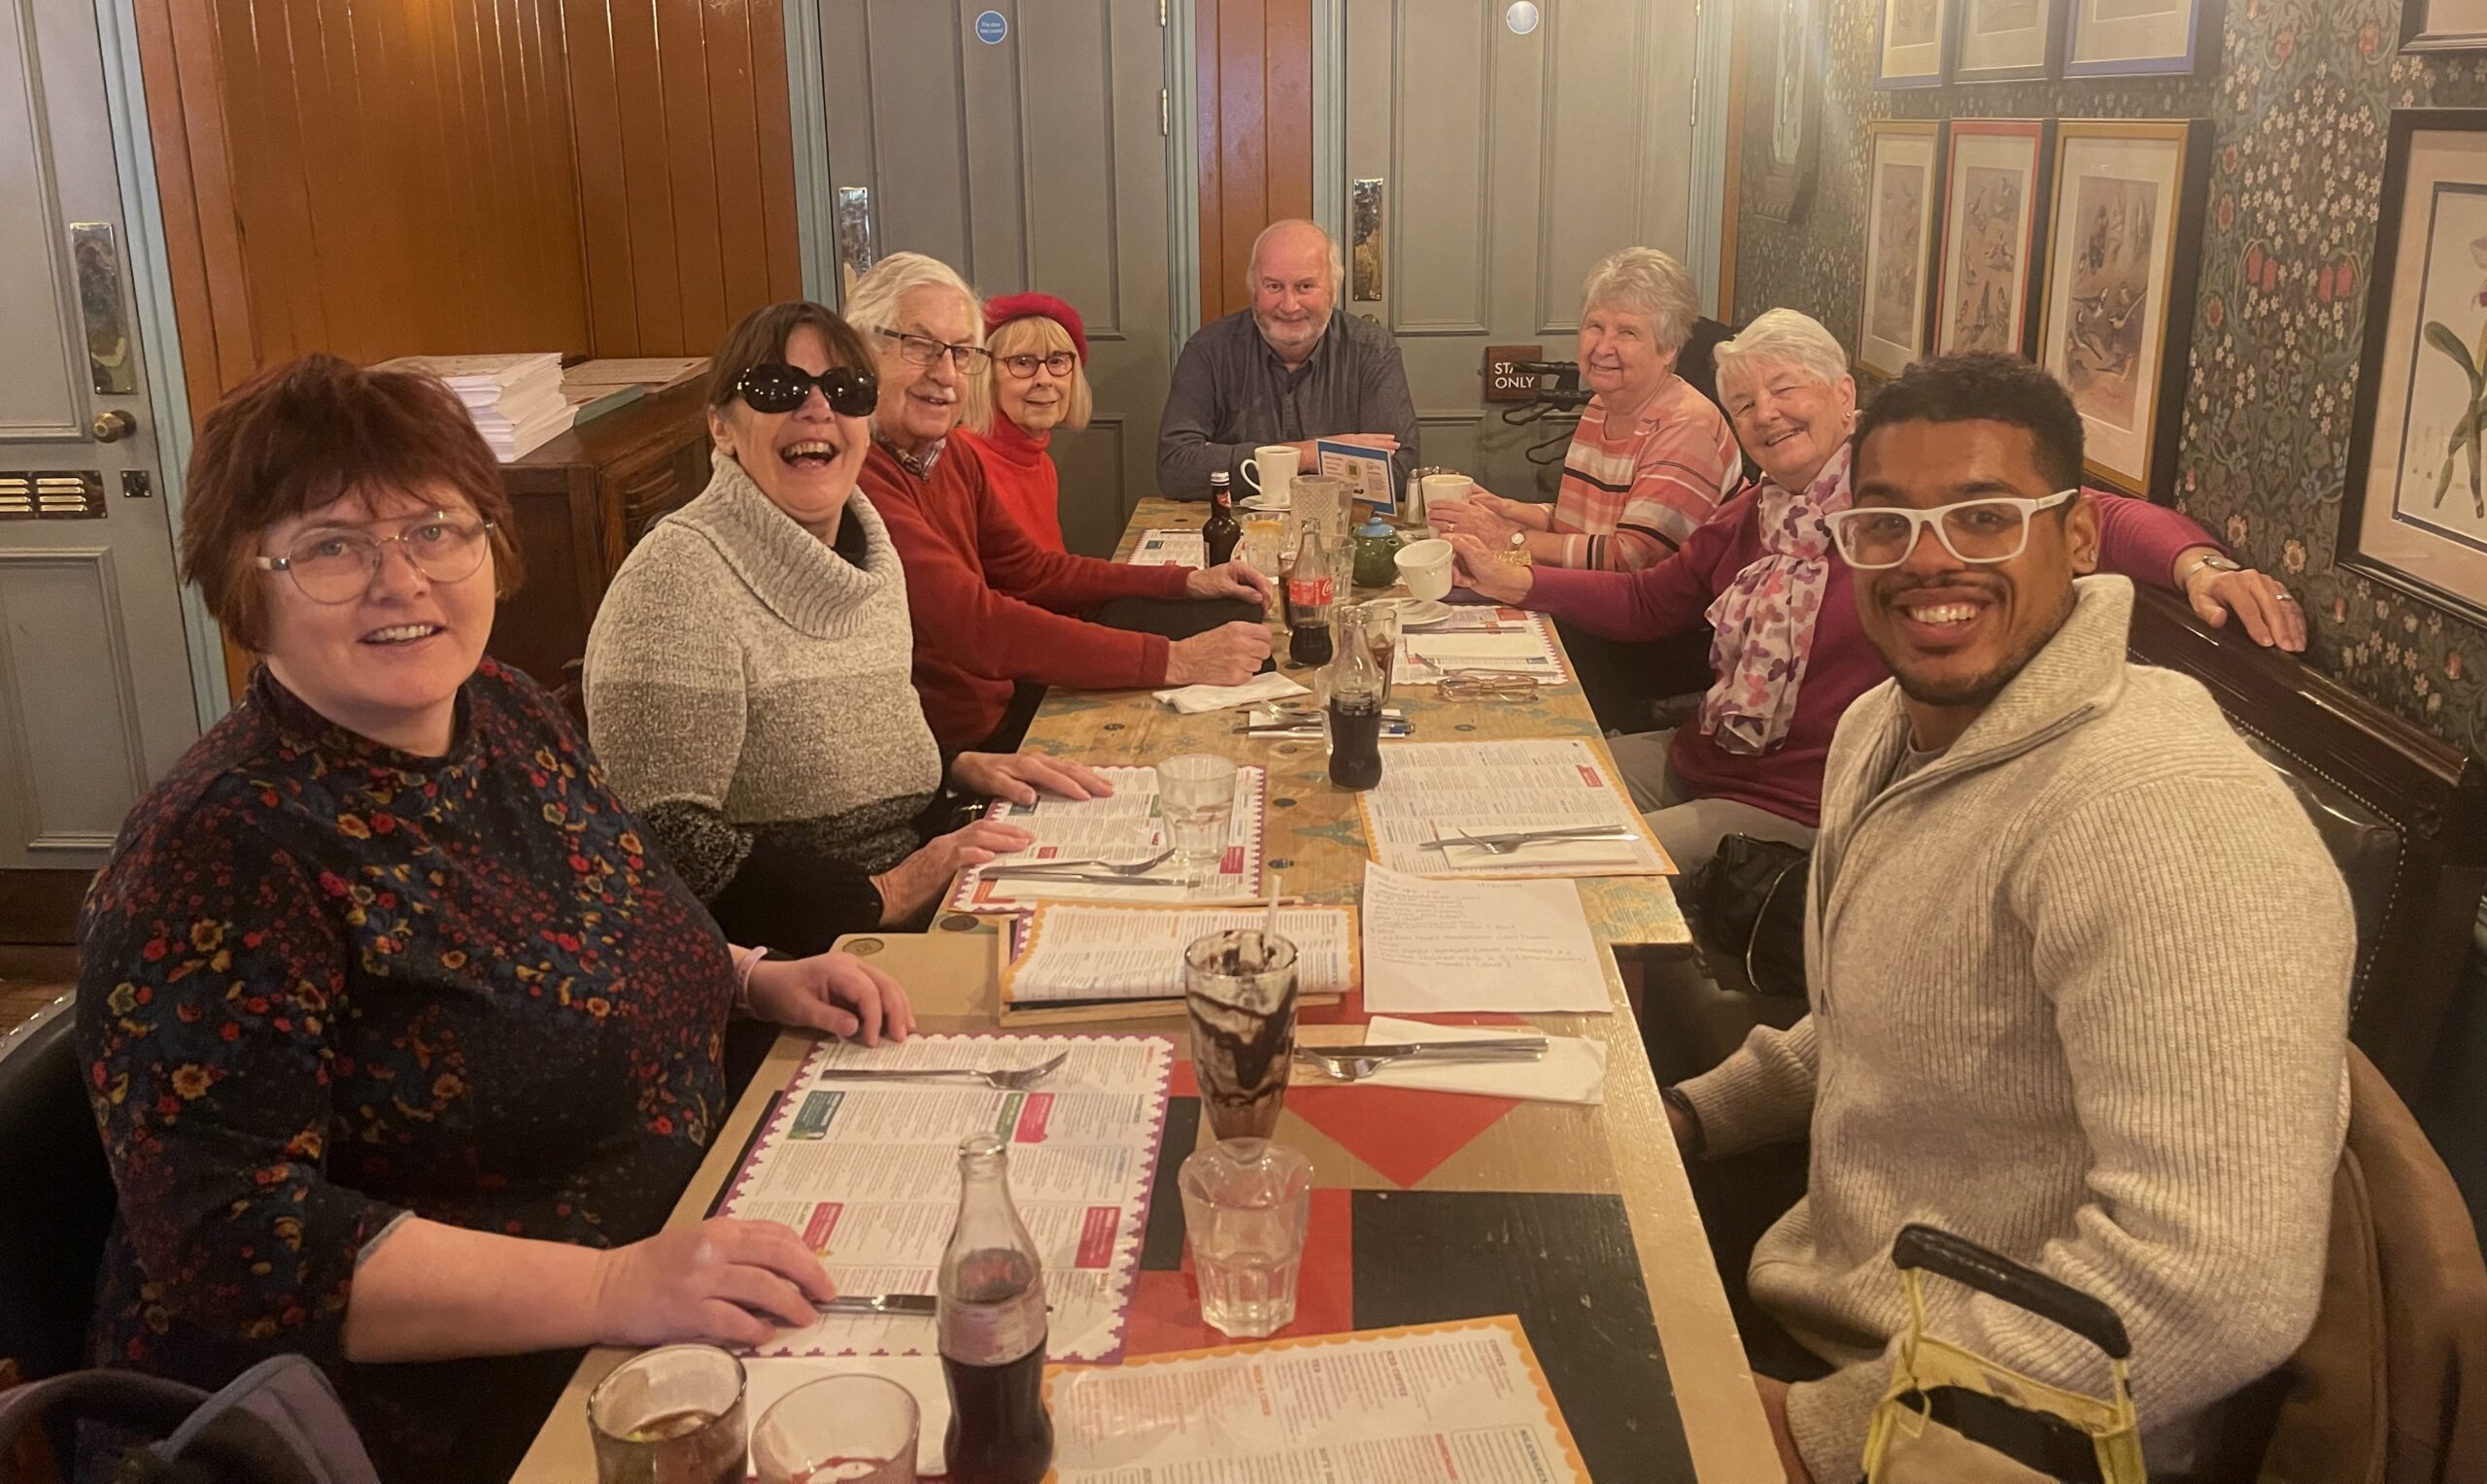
x: 325, y: 984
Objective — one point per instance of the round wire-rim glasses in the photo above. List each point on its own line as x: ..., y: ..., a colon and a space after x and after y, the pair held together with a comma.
x: 1982, y: 533
x: 1024, y: 367
x: 337, y: 565
x: 924, y: 351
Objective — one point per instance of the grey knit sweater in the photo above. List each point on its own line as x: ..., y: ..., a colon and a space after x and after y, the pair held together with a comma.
x: 2080, y: 994
x: 747, y: 690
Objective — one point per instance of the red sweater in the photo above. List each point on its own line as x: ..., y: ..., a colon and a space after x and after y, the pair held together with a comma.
x: 2137, y: 540
x: 991, y: 607
x: 1022, y: 477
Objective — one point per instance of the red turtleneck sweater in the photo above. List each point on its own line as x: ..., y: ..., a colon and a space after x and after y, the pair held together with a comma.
x: 1022, y: 477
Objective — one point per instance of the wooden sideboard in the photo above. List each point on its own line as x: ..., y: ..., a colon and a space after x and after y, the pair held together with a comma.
x: 579, y: 503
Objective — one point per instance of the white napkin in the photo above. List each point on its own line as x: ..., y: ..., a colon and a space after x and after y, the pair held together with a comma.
x: 1192, y: 700
x: 1574, y: 1069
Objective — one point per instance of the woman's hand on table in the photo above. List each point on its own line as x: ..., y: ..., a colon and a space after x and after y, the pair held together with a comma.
x: 1239, y: 579
x: 837, y: 992
x: 1019, y: 776
x: 1483, y: 570
x: 1228, y: 654
x: 910, y: 885
x: 722, y: 1282
x: 1774, y: 1406
x: 1489, y: 518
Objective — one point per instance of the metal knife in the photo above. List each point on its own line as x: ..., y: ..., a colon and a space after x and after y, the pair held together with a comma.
x: 1508, y: 1046
x: 990, y: 874
x: 1524, y: 836
x: 879, y: 1303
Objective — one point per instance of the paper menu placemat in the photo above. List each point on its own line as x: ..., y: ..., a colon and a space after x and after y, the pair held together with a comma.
x: 1416, y: 1404
x: 1170, y: 549
x: 1073, y: 952
x: 867, y: 1172
x: 1500, y: 639
x: 1430, y: 791
x: 1129, y: 826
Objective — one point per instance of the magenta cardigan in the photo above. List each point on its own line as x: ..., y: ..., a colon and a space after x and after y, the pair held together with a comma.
x: 2137, y: 539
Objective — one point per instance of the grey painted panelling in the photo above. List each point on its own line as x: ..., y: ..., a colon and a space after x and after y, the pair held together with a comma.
x: 77, y: 762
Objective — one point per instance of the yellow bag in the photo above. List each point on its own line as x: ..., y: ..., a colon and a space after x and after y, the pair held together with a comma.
x: 1953, y: 1418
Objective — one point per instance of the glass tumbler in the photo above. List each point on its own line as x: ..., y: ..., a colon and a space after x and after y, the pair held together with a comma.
x: 1245, y: 1205
x: 672, y: 1415
x: 1196, y: 792
x: 853, y: 1429
x: 1238, y: 987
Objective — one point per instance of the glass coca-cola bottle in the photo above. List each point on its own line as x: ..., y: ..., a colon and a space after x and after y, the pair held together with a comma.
x: 1311, y: 591
x: 1355, y: 708
x: 992, y: 1322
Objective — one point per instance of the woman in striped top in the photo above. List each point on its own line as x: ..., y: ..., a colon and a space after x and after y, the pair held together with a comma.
x: 1652, y: 457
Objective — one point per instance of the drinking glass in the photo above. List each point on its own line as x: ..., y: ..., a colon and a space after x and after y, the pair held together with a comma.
x: 672, y: 1415
x: 1197, y: 793
x: 1245, y: 1205
x: 1240, y: 988
x: 851, y: 1429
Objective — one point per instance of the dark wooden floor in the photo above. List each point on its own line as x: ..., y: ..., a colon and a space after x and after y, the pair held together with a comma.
x: 30, y: 976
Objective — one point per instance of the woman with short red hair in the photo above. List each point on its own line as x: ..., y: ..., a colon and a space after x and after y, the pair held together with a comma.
x: 401, y: 1037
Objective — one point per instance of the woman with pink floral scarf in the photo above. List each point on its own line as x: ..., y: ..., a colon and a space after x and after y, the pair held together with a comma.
x: 1790, y: 653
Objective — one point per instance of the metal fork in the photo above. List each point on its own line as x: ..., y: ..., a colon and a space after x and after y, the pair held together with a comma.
x: 1091, y: 868
x: 1354, y: 1064
x: 1005, y: 1081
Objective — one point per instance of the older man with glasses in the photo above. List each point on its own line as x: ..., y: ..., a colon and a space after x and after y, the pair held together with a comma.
x: 1291, y: 368
x: 995, y: 615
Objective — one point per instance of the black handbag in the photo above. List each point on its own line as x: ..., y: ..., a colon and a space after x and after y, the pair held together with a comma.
x: 1747, y: 905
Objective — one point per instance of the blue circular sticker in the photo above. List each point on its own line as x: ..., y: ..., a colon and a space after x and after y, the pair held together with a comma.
x: 991, y: 28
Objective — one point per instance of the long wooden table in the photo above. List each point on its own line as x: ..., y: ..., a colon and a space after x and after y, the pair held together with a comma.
x: 1427, y: 1205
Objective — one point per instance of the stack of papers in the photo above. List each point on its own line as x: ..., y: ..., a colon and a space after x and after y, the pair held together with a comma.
x: 592, y: 379
x: 516, y: 400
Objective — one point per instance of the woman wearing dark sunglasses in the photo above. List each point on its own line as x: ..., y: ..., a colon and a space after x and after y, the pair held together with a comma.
x: 747, y: 679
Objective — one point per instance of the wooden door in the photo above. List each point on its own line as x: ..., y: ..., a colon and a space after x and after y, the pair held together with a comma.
x: 1509, y: 160
x: 1030, y: 154
x: 95, y: 693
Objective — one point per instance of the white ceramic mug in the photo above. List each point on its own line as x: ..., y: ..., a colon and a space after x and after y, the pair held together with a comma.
x: 1272, y: 470
x: 1425, y: 567
x: 1447, y: 489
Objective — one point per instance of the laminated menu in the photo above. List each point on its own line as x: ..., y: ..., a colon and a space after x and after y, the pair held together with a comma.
x: 1463, y: 1400
x: 1471, y: 639
x: 868, y: 1173
x: 1169, y: 549
x: 1076, y: 953
x: 1084, y: 849
x: 1543, y: 807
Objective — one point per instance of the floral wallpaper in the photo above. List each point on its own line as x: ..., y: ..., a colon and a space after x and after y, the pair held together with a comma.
x: 2300, y: 102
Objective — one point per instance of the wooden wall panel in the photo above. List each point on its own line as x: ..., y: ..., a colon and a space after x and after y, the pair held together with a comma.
x: 1255, y: 102
x: 685, y: 166
x: 372, y: 178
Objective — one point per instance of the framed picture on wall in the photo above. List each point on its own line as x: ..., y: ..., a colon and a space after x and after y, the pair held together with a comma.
x: 1791, y: 115
x: 1912, y: 43
x: 1994, y: 203
x: 1903, y: 178
x: 2414, y: 514
x: 2123, y: 244
x: 2444, y: 25
x: 2007, y: 41
x: 2128, y: 37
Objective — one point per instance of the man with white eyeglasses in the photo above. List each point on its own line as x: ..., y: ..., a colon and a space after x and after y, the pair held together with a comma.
x: 2078, y: 965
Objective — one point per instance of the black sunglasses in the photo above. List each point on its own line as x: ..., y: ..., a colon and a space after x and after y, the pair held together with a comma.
x: 777, y: 386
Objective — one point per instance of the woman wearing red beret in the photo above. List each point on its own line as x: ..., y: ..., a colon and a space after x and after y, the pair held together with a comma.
x: 1038, y: 384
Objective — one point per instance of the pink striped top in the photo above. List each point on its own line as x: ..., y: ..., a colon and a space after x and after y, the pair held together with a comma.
x: 1629, y: 498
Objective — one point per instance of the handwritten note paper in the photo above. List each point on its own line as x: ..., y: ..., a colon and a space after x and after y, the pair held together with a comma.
x: 1432, y: 947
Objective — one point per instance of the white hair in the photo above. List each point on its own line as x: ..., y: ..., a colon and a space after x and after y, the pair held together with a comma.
x: 1649, y: 281
x: 1252, y: 264
x: 1782, y: 337
x: 871, y: 305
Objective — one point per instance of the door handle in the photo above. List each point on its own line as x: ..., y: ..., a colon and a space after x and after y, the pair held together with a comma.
x: 1365, y: 245
x: 857, y: 250
x: 113, y: 426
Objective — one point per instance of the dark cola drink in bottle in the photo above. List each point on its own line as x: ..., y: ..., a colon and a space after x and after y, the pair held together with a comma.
x: 1312, y: 593
x: 1222, y: 530
x: 1355, y: 713
x: 991, y: 1311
